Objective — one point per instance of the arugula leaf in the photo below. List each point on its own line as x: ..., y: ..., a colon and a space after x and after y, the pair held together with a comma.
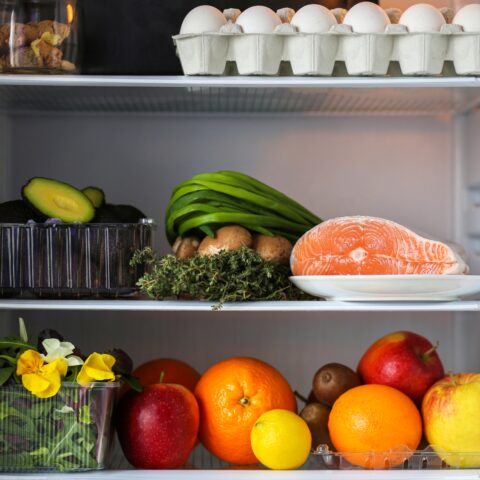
x: 85, y: 416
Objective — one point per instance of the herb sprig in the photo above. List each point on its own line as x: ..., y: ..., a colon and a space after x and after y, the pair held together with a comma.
x: 230, y: 276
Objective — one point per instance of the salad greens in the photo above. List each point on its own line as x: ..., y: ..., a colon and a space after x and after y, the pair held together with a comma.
x: 62, y: 433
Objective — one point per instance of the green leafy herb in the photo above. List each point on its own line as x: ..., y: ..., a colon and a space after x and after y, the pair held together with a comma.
x: 230, y: 276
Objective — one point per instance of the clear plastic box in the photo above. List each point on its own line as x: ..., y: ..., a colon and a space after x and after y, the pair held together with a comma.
x: 401, y: 459
x: 71, y: 260
x: 69, y: 432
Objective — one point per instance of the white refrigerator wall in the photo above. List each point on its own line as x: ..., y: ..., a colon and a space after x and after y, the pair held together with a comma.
x: 394, y: 167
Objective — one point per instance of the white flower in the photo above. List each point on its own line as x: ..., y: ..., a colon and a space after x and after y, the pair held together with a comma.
x: 56, y: 349
x: 65, y: 409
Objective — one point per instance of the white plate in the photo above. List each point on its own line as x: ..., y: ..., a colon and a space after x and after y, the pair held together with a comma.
x: 389, y: 288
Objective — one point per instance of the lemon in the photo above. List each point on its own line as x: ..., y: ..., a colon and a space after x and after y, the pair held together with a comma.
x: 281, y: 440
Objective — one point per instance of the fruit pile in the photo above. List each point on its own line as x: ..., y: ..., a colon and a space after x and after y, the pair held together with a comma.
x: 244, y: 411
x: 46, y: 199
x: 377, y: 416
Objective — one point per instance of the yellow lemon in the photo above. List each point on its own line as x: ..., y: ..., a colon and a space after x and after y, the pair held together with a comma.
x: 281, y: 440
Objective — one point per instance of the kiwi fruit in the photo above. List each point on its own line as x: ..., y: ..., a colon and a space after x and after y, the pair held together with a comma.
x: 316, y: 417
x: 311, y: 397
x: 332, y: 380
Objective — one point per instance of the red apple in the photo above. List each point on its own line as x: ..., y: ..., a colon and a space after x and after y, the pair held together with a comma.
x: 158, y: 427
x: 402, y: 360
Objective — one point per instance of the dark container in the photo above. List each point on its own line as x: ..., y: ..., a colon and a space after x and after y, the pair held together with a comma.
x: 71, y: 261
x: 134, y: 37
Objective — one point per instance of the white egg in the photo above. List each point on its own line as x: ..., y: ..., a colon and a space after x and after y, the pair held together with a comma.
x: 366, y: 17
x: 258, y: 20
x: 313, y: 19
x: 468, y: 17
x: 422, y: 17
x: 203, y: 19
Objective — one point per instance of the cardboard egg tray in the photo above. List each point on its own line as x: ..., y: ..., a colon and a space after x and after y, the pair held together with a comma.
x: 287, y: 52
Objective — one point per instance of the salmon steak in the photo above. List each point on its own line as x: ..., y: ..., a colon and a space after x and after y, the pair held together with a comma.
x: 371, y: 246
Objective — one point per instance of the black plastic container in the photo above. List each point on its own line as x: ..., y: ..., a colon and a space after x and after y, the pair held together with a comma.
x: 135, y: 36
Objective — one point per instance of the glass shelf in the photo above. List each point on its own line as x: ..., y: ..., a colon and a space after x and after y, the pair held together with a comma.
x: 173, y: 95
x: 196, y: 306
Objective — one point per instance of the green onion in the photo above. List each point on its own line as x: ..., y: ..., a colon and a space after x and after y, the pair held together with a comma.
x: 209, y: 201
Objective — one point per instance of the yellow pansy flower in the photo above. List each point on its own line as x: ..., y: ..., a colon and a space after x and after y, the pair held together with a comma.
x: 97, y: 367
x: 43, y: 380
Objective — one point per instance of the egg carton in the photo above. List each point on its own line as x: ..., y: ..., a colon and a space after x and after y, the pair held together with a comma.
x: 231, y: 52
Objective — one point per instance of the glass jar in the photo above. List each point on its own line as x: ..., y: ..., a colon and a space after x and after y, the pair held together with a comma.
x: 38, y: 36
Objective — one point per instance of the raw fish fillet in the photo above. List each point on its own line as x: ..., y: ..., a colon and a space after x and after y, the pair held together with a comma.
x: 371, y: 246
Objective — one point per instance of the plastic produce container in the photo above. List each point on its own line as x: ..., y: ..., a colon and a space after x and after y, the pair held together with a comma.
x: 71, y: 260
x: 71, y: 431
x: 38, y: 36
x: 427, y: 459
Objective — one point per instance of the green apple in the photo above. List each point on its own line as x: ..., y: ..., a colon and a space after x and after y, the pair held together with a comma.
x: 451, y: 414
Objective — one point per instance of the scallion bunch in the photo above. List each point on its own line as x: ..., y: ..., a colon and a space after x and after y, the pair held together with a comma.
x: 210, y: 200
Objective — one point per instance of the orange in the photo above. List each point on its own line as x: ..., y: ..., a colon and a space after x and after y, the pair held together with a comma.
x: 377, y: 419
x: 232, y: 395
x: 174, y: 371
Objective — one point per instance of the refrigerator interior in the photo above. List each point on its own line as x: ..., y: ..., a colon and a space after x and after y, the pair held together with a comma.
x: 420, y: 170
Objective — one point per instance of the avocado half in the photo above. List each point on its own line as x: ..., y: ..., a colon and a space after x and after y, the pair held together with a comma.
x: 56, y: 199
x: 95, y: 195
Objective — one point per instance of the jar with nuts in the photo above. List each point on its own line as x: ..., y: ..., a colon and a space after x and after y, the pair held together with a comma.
x: 38, y: 36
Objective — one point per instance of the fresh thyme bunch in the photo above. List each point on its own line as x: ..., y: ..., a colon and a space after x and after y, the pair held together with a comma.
x: 230, y: 276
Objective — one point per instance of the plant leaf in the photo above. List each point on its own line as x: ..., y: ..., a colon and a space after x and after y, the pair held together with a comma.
x: 85, y: 416
x: 5, y: 374
x: 40, y: 451
x: 16, y: 343
x: 23, y: 330
x: 132, y: 382
x: 9, y: 359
